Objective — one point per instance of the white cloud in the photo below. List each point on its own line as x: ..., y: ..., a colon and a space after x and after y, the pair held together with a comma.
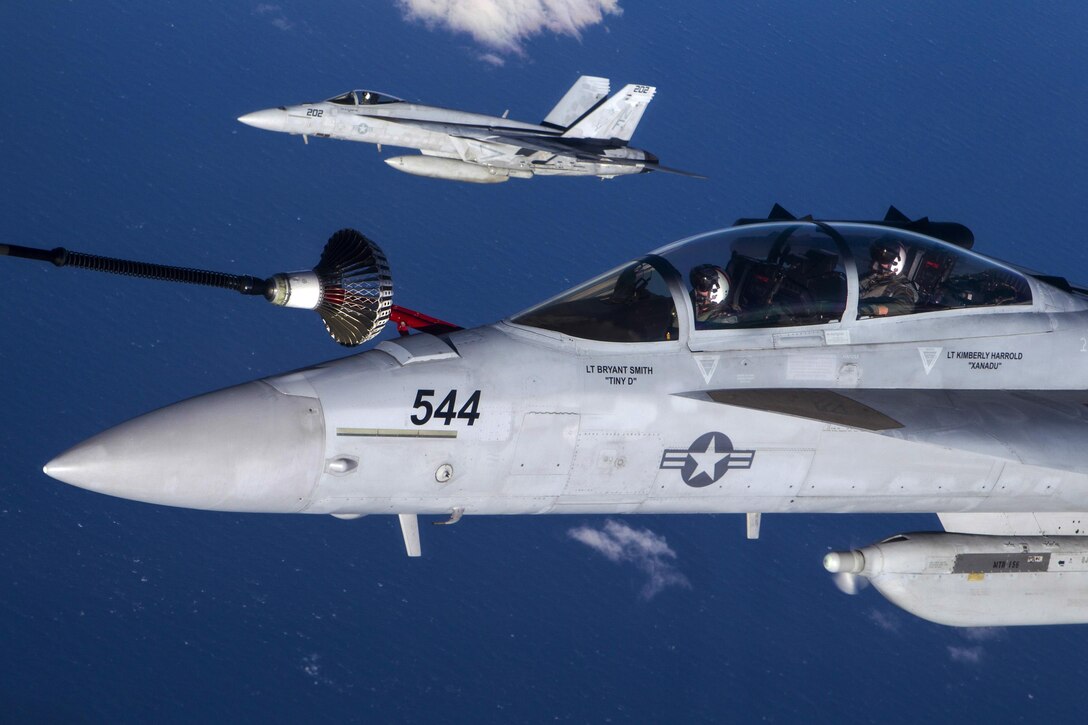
x: 273, y: 14
x: 493, y: 58
x: 503, y: 25
x: 968, y: 655
x: 648, y: 551
x: 978, y: 635
x: 981, y: 634
x: 884, y: 620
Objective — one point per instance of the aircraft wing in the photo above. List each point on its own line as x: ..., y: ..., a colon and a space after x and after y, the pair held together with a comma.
x: 575, y: 148
x: 490, y: 135
x: 580, y: 150
x: 526, y: 143
x: 1039, y: 428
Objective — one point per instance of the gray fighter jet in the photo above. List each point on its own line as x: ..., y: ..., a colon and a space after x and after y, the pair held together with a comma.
x: 586, y: 134
x: 782, y: 365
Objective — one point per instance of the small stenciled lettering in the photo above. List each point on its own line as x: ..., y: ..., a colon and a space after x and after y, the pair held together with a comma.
x: 984, y: 359
x: 619, y: 380
x: 626, y: 375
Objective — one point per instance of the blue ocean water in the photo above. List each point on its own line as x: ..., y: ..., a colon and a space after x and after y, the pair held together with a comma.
x: 118, y: 137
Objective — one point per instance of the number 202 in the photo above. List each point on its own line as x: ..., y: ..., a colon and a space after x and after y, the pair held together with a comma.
x: 445, y: 410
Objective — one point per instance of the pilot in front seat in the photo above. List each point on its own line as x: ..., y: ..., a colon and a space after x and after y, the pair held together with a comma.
x: 710, y: 294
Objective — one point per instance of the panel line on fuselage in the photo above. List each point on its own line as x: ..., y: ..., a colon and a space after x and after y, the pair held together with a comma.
x: 394, y: 433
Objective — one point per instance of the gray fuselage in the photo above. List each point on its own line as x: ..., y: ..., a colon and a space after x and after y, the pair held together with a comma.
x: 970, y: 408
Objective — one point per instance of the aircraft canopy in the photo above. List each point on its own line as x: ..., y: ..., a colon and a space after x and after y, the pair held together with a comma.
x: 364, y: 98
x: 779, y: 274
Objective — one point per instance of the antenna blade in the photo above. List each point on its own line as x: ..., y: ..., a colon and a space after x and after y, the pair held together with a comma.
x: 409, y: 529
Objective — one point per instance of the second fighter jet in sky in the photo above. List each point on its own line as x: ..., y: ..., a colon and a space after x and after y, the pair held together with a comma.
x: 586, y: 134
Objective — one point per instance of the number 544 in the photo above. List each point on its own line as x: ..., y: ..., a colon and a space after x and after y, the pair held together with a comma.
x: 446, y: 409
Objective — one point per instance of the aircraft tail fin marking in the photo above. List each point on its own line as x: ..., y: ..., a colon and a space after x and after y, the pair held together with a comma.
x: 582, y: 97
x: 617, y: 117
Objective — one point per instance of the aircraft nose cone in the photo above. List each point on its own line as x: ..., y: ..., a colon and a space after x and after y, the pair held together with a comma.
x: 246, y: 448
x: 270, y: 119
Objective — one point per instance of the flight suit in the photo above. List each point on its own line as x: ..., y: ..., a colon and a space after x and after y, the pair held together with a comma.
x: 886, y: 295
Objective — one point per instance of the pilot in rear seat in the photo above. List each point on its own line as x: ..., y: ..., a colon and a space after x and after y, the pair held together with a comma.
x: 886, y: 290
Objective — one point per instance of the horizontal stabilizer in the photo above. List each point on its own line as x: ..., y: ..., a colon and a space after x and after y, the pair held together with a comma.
x: 617, y: 117
x: 669, y: 170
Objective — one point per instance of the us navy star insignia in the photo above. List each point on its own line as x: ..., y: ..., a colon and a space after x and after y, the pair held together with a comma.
x: 707, y: 459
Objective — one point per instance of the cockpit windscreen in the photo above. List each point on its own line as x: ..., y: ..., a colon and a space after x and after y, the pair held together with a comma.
x: 629, y: 304
x: 364, y: 98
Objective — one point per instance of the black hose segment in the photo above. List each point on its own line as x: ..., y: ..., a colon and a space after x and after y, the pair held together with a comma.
x: 42, y: 255
x: 62, y: 257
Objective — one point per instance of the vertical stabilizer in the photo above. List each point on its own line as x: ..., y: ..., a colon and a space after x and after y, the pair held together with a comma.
x: 617, y: 117
x: 582, y: 96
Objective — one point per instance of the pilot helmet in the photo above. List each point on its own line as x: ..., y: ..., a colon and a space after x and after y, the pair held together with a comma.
x: 888, y: 253
x: 710, y: 286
